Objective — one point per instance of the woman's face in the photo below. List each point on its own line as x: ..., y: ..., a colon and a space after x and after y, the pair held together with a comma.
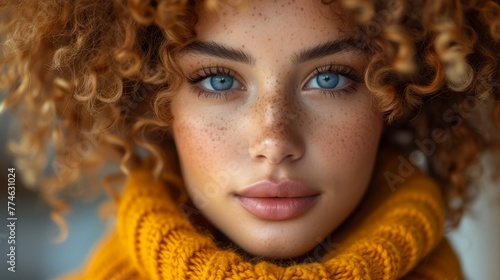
x: 275, y: 130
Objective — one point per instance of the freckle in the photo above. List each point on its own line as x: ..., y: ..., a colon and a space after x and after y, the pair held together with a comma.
x: 243, y: 46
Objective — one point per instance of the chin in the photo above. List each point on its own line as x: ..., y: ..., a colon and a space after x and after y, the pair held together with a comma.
x: 282, y: 249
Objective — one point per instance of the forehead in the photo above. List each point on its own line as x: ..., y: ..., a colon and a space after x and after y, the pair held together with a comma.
x: 295, y: 22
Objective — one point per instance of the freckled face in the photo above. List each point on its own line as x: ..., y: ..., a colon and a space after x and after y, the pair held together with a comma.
x: 258, y: 105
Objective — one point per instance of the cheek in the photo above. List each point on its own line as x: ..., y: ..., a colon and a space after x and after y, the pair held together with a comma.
x: 349, y: 137
x: 204, y: 144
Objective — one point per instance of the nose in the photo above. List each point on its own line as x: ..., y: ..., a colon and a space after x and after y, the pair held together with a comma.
x: 275, y: 135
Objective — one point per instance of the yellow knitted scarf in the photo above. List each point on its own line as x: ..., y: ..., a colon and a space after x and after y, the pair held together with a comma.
x: 396, y: 232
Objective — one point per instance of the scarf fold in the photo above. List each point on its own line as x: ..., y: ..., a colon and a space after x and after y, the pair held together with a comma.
x: 396, y: 232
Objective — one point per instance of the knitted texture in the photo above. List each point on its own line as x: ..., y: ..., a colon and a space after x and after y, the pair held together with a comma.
x: 396, y: 232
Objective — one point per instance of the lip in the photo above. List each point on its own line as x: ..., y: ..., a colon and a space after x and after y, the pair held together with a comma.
x: 276, y: 202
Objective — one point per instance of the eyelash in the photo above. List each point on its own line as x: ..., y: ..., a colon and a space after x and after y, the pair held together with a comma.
x: 347, y: 72
x: 340, y: 70
x: 206, y: 72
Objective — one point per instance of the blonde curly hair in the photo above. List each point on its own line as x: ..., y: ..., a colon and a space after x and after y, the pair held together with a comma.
x: 93, y: 80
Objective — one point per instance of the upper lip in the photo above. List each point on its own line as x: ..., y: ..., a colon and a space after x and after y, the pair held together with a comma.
x: 283, y: 189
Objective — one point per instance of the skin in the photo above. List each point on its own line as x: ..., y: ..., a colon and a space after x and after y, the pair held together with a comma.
x: 273, y: 125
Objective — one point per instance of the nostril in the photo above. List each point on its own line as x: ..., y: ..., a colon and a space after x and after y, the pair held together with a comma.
x: 276, y: 150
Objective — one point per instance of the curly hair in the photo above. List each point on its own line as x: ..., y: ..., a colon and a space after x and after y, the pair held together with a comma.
x: 93, y: 81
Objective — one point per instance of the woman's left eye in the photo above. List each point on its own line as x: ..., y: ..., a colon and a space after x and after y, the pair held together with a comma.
x: 220, y: 83
x: 328, y: 80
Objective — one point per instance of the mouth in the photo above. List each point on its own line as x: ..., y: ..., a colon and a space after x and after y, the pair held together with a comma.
x: 277, y: 202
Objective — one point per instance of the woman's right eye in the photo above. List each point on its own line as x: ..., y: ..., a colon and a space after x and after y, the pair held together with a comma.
x: 220, y: 83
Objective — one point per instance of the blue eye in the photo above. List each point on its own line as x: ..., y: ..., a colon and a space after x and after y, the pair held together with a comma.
x: 220, y: 83
x: 328, y: 80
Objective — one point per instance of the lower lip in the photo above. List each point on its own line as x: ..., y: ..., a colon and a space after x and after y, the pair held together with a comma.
x: 277, y: 208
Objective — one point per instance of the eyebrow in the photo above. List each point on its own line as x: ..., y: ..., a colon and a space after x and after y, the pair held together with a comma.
x: 328, y: 48
x: 218, y: 50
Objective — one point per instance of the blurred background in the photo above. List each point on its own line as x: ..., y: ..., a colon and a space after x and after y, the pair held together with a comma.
x: 39, y: 258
